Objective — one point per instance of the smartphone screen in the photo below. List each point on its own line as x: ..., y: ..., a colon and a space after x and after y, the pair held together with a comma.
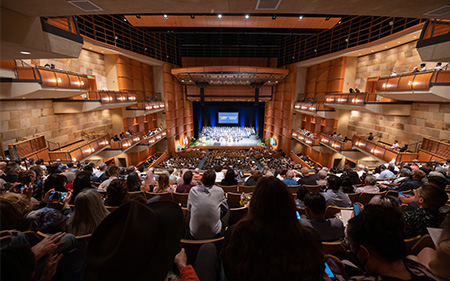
x: 356, y: 209
x: 22, y: 187
x: 62, y: 195
x: 328, y: 271
x: 298, y: 215
x: 51, y: 195
x: 401, y: 193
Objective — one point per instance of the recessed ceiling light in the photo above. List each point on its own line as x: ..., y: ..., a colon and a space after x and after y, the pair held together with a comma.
x: 300, y: 17
x: 165, y: 16
x: 385, y: 46
x: 274, y: 17
x: 339, y: 22
x: 219, y: 16
x: 25, y: 53
x: 372, y: 50
x: 398, y: 42
x: 247, y: 16
x: 138, y: 16
x: 124, y: 19
x: 415, y: 36
x: 359, y: 54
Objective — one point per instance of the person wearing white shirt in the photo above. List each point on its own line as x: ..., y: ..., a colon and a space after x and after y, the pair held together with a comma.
x: 438, y: 66
x: 423, y: 67
x: 370, y: 186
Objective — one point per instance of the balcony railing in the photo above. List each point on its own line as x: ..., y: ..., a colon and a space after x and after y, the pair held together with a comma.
x: 334, y: 143
x: 128, y: 142
x: 147, y: 106
x: 81, y: 151
x: 381, y: 151
x: 52, y: 78
x: 313, y: 107
x: 350, y: 98
x: 154, y: 138
x: 106, y: 97
x: 414, y: 81
x: 304, y: 138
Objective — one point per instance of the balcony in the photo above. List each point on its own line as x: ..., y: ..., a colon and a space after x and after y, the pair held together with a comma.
x: 367, y: 102
x: 308, y: 141
x: 43, y: 83
x: 142, y: 108
x: 35, y: 147
x: 81, y: 150
x: 381, y: 152
x: 434, y: 42
x: 316, y: 109
x: 428, y: 86
x: 95, y: 101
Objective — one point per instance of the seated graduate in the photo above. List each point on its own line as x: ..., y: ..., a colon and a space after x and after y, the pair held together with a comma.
x: 270, y: 243
x: 329, y: 229
x: 429, y: 199
x: 376, y: 238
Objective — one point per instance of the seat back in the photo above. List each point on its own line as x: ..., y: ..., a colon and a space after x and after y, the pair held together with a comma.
x: 331, y: 211
x: 247, y: 189
x: 354, y: 197
x: 293, y: 188
x: 410, y: 243
x: 233, y: 199
x: 424, y: 241
x: 191, y: 247
x: 180, y: 198
x: 237, y: 214
x: 230, y: 188
x: 111, y: 208
x: 365, y: 197
x: 137, y: 195
x: 392, y: 193
x: 332, y: 248
x: 313, y: 188
x: 165, y: 196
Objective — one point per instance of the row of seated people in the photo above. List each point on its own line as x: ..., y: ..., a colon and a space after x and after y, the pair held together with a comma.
x: 376, y: 235
x: 237, y: 159
x: 395, y: 145
x: 225, y: 132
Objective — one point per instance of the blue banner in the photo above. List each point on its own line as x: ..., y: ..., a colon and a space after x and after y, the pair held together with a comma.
x: 228, y: 117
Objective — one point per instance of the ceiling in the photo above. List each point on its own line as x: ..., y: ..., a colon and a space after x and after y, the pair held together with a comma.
x: 399, y: 8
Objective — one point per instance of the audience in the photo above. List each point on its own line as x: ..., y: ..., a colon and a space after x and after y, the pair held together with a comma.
x: 230, y: 178
x: 370, y: 185
x: 333, y: 195
x: 307, y: 178
x: 186, y: 186
x: 289, y: 180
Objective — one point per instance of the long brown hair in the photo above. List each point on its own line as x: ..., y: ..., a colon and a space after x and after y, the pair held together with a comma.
x: 163, y: 183
x: 270, y: 243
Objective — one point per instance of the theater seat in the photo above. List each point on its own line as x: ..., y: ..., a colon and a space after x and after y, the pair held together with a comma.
x: 180, y: 198
x: 191, y: 247
x: 365, y: 197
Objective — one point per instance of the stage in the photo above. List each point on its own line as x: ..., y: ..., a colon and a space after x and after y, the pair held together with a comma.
x: 251, y: 141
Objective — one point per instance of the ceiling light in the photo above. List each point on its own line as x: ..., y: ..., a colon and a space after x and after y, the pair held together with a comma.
x: 247, y: 16
x: 371, y: 50
x: 339, y: 22
x: 25, y: 53
x: 165, y: 16
x: 391, y: 23
x: 398, y: 42
x: 385, y: 46
x: 415, y: 36
x: 300, y: 17
x: 124, y: 19
x: 219, y: 16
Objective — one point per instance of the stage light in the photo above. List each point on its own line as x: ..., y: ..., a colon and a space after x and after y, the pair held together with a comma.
x: 165, y: 16
x: 219, y: 16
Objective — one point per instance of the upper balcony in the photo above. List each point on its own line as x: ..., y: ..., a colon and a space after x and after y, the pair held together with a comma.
x: 98, y: 100
x: 312, y: 142
x: 81, y: 150
x: 142, y: 108
x: 336, y: 145
x: 43, y: 83
x: 427, y: 86
x: 316, y: 109
x: 367, y: 102
x: 382, y: 152
x: 434, y: 41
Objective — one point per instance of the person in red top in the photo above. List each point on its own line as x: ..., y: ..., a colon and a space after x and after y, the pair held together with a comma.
x: 185, y: 187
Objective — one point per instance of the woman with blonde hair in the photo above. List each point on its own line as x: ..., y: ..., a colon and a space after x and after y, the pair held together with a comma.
x: 163, y: 184
x: 89, y: 211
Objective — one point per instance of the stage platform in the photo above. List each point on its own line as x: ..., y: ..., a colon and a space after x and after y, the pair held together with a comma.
x: 245, y: 143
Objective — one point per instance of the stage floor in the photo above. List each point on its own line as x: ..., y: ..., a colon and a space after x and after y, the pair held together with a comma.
x: 251, y: 141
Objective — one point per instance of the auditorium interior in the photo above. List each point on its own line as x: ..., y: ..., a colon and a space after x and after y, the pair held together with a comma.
x: 322, y: 70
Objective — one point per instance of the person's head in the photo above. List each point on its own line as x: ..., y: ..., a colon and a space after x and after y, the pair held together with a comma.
x: 263, y: 224
x: 439, y: 64
x: 322, y: 174
x: 89, y: 211
x: 417, y: 174
x: 230, y: 176
x: 116, y: 194
x: 384, y: 201
x: 133, y: 182
x: 305, y: 171
x: 438, y: 181
x: 187, y: 177
x: 38, y: 170
x: 88, y: 168
x: 430, y: 197
x: 315, y: 205
x: 290, y: 174
x: 131, y: 169
x: 382, y: 168
x: 404, y: 172
x: 12, y: 168
x: 334, y: 182
x: 301, y: 193
x: 257, y: 175
x: 53, y: 168
x: 391, y: 167
x: 377, y: 235
x: 283, y: 172
x: 55, y: 181
x: 113, y: 171
x: 13, y: 208
x: 27, y: 177
x: 163, y: 182
x: 218, y: 168
x: 209, y: 178
x: 422, y: 65
x: 371, y: 180
x: 360, y: 167
x: 82, y: 181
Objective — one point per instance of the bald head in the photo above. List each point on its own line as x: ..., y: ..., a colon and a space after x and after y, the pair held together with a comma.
x: 305, y: 171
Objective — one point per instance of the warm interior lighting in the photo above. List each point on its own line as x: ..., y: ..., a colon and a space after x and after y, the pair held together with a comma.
x: 219, y: 16
x: 300, y: 17
x: 25, y: 53
x: 165, y: 16
x: 247, y: 16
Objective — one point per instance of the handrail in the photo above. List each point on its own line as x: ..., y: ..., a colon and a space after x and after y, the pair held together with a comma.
x: 313, y: 107
x: 144, y: 105
x: 335, y: 143
x: 304, y: 138
x: 381, y: 151
x: 82, y: 151
x: 350, y: 98
x: 413, y: 81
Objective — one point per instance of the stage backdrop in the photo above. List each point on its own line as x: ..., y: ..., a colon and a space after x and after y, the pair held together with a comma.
x: 249, y: 115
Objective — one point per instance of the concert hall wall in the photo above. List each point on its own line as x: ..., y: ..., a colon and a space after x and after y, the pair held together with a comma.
x: 249, y: 115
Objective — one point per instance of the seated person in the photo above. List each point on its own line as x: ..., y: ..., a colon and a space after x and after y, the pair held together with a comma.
x: 230, y: 178
x: 208, y: 209
x: 301, y: 193
x: 376, y: 237
x: 385, y: 173
x: 322, y: 175
x: 395, y: 145
x: 370, y: 186
x: 185, y: 187
x: 252, y: 180
x: 415, y: 181
x: 219, y: 174
x: 329, y: 229
x: 307, y: 178
x: 333, y: 195
x: 289, y: 180
x: 429, y: 199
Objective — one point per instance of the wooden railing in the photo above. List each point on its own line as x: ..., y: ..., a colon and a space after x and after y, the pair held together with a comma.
x: 350, y: 98
x: 161, y: 158
x: 144, y: 105
x: 80, y: 151
x: 154, y: 138
x: 304, y: 138
x: 127, y: 142
x: 414, y: 81
x: 64, y: 23
x: 334, y: 143
x: 35, y: 147
x: 439, y: 148
x: 313, y: 107
x: 52, y: 78
x: 382, y: 152
x: 435, y: 28
x: 297, y: 159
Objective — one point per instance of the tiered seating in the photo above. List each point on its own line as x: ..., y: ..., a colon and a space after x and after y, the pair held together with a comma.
x: 80, y: 150
x: 382, y: 152
x: 35, y: 147
x: 432, y: 149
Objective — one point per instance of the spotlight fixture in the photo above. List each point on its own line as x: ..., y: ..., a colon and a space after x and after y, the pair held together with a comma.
x: 219, y: 16
x: 192, y: 16
x: 327, y: 18
x: 124, y: 19
x: 247, y: 16
x: 165, y: 16
x: 274, y: 17
x: 138, y: 16
x: 339, y: 22
x: 300, y: 17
